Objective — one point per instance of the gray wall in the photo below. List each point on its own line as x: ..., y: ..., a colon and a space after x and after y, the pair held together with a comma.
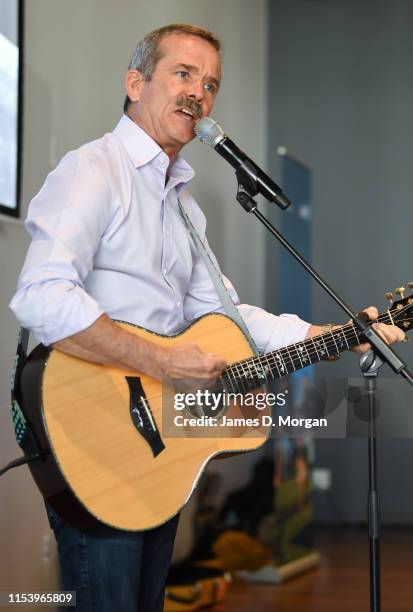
x: 76, y: 54
x: 340, y: 99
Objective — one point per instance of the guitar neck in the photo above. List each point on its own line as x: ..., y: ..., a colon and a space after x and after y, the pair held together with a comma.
x: 251, y: 373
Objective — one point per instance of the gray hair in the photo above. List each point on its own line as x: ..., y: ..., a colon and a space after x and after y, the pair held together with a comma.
x: 148, y: 51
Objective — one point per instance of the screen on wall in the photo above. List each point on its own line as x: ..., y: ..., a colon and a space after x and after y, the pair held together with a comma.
x: 11, y: 30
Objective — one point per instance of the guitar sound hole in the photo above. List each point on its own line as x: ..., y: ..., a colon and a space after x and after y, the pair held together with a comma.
x: 205, y: 410
x: 205, y: 402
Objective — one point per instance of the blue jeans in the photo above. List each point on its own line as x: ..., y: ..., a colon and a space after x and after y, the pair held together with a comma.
x: 111, y: 569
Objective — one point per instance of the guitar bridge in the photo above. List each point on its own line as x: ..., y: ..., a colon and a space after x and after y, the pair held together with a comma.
x: 142, y: 417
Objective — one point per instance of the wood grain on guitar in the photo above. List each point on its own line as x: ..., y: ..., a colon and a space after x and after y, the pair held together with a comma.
x: 103, y: 430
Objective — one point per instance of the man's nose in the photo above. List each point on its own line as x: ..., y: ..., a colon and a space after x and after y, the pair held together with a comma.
x: 197, y: 91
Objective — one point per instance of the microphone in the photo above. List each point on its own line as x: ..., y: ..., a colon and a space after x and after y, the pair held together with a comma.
x: 212, y: 134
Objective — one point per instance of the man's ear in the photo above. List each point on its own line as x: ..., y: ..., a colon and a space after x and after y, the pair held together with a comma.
x: 134, y: 81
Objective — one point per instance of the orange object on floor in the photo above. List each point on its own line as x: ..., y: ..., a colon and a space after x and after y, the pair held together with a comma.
x: 191, y: 588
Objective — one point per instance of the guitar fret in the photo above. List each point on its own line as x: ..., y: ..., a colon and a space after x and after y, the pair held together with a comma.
x: 299, y: 356
x: 242, y: 378
x: 325, y: 345
x: 250, y: 374
x: 275, y: 363
x: 321, y: 347
x: 289, y: 357
x: 301, y: 346
x: 334, y: 340
x: 307, y: 342
x: 279, y: 358
x: 269, y: 369
x: 315, y: 346
x: 343, y: 340
x: 260, y: 370
x: 356, y: 332
x: 236, y: 376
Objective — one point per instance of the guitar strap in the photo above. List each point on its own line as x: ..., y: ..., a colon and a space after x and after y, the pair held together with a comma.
x: 22, y: 431
x: 230, y: 309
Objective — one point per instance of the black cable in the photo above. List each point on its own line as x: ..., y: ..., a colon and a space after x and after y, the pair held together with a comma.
x: 19, y: 461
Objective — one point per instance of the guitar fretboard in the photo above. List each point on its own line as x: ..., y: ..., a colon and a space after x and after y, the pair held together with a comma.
x: 254, y: 372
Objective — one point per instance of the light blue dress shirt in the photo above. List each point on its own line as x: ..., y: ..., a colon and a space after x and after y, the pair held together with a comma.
x: 108, y: 237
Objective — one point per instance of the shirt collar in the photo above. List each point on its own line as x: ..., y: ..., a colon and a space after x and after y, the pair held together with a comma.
x: 142, y: 149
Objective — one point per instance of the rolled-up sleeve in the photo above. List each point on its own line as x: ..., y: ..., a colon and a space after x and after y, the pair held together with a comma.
x: 65, y: 221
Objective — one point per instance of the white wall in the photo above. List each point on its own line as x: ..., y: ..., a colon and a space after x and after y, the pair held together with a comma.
x: 76, y: 54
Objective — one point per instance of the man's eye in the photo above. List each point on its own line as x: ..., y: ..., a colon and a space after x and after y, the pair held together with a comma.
x: 183, y: 74
x: 210, y: 87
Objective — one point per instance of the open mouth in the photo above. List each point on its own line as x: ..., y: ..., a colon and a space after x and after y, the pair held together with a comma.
x: 186, y: 114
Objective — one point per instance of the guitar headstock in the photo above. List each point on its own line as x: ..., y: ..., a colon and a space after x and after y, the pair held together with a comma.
x: 401, y: 311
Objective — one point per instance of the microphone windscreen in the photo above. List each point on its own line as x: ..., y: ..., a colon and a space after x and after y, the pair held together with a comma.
x: 209, y: 131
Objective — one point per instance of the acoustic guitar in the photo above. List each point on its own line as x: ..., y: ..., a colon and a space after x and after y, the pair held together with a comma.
x: 111, y: 450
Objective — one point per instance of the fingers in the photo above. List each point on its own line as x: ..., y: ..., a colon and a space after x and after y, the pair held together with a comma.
x: 389, y: 333
x: 190, y: 362
x: 213, y: 365
x: 371, y: 312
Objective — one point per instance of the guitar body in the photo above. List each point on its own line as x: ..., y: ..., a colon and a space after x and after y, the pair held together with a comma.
x: 111, y: 450
x: 97, y: 464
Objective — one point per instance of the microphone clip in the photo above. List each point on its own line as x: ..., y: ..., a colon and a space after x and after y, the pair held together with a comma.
x: 247, y: 185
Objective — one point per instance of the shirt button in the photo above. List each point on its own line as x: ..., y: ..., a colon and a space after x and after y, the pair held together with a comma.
x: 164, y: 270
x: 178, y: 304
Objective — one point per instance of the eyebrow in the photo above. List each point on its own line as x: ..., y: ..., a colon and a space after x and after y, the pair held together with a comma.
x: 191, y: 68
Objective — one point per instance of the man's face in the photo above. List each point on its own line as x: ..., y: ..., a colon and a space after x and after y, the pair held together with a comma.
x: 186, y: 77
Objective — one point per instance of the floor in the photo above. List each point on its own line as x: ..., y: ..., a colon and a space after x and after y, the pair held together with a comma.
x: 341, y: 582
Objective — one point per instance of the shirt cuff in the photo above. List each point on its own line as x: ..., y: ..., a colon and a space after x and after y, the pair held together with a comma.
x: 271, y: 332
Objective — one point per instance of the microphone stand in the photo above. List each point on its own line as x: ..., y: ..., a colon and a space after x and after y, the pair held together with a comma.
x: 247, y: 189
x: 370, y: 363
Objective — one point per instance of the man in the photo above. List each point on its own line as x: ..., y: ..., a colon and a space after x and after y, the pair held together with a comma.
x: 108, y: 242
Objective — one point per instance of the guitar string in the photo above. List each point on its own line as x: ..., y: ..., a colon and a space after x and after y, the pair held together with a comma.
x: 284, y: 353
x: 288, y: 363
x: 244, y: 376
x: 313, y: 347
x: 241, y: 372
x: 333, y: 335
x: 347, y: 326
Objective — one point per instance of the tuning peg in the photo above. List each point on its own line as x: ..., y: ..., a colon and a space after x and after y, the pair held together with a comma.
x: 400, y: 291
x: 410, y: 285
x: 389, y: 297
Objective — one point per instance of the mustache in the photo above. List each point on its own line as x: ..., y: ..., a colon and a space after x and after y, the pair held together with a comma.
x: 191, y: 105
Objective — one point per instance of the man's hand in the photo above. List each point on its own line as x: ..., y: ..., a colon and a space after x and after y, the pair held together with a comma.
x: 105, y: 342
x: 189, y: 362
x: 389, y: 333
